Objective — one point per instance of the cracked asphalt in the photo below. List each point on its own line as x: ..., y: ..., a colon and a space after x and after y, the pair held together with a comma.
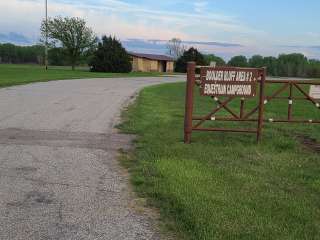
x: 59, y: 175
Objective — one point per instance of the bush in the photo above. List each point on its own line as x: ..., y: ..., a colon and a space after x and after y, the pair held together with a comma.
x: 110, y: 56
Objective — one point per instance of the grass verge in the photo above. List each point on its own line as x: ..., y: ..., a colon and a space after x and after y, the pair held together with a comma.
x: 17, y: 74
x: 224, y: 185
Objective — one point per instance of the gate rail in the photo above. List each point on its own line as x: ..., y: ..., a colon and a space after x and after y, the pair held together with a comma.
x: 193, y: 123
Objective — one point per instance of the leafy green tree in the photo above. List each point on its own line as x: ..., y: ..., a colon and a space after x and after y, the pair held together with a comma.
x: 313, y: 69
x: 256, y: 61
x: 292, y: 65
x: 238, y: 61
x: 110, y: 56
x: 57, y: 56
x: 30, y: 54
x: 272, y: 65
x: 8, y: 53
x: 191, y: 55
x: 72, y: 34
x: 213, y: 58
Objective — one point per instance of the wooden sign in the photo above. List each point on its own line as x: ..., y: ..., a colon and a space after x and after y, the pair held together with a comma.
x: 315, y: 91
x: 228, y: 81
x: 237, y: 84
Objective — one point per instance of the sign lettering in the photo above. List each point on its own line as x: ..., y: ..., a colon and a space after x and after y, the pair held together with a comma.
x: 228, y: 81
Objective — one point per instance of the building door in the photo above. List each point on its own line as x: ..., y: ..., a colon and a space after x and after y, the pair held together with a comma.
x: 164, y: 66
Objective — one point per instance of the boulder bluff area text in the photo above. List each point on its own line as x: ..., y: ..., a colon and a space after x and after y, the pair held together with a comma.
x: 233, y: 76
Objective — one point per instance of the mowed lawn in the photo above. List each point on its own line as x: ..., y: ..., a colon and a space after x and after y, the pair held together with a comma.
x: 225, y: 185
x: 16, y: 74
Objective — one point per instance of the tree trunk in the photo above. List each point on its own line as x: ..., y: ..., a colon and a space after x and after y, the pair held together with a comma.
x: 73, y: 61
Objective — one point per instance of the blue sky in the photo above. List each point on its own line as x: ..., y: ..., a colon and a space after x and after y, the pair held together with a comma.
x: 263, y: 27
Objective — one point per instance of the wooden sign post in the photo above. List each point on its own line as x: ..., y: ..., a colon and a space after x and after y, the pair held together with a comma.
x: 227, y: 82
x: 191, y: 80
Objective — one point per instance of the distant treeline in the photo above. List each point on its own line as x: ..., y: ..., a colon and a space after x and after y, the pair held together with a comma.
x: 285, y: 65
x: 10, y: 53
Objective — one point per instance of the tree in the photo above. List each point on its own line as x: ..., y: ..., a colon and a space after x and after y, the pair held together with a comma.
x: 313, y: 69
x: 175, y: 48
x: 256, y: 61
x: 10, y: 53
x: 57, y: 56
x: 72, y: 34
x: 191, y: 55
x: 110, y: 56
x: 292, y: 65
x: 272, y: 65
x: 213, y: 58
x: 238, y: 61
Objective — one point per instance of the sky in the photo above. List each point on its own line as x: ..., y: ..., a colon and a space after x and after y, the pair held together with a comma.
x: 223, y: 27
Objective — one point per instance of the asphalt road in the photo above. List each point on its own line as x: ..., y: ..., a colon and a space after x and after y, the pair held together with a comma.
x: 59, y: 176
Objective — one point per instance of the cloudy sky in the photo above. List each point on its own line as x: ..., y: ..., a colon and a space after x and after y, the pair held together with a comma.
x: 224, y: 27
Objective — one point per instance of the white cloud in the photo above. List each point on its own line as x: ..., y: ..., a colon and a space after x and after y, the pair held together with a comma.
x: 200, y: 6
x: 122, y: 19
x: 126, y: 20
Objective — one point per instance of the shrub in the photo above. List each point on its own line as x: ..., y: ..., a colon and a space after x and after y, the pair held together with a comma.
x: 110, y: 56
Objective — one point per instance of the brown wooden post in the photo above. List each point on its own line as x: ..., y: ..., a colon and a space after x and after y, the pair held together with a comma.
x: 191, y: 78
x: 242, y: 107
x: 261, y: 104
x: 290, y: 104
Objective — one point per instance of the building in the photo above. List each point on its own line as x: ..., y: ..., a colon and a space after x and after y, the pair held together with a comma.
x: 151, y: 63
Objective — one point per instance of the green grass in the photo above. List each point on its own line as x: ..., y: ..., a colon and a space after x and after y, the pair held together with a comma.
x: 224, y: 185
x: 17, y: 74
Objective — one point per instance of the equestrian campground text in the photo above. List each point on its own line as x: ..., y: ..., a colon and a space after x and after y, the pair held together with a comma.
x: 228, y: 83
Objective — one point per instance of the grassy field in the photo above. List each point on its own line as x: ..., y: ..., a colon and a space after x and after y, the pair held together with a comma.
x: 224, y: 185
x: 16, y: 74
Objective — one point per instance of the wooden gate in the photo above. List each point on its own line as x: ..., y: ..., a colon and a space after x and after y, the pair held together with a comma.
x: 240, y: 83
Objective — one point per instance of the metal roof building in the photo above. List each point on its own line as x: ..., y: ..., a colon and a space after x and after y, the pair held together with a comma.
x: 142, y: 62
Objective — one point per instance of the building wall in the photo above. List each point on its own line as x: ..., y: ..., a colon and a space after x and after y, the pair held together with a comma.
x: 142, y: 66
x: 160, y: 66
x: 135, y: 64
x: 170, y: 66
x: 147, y: 65
x: 152, y: 65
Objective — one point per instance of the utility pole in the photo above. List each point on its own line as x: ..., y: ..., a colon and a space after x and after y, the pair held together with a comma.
x: 46, y: 40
